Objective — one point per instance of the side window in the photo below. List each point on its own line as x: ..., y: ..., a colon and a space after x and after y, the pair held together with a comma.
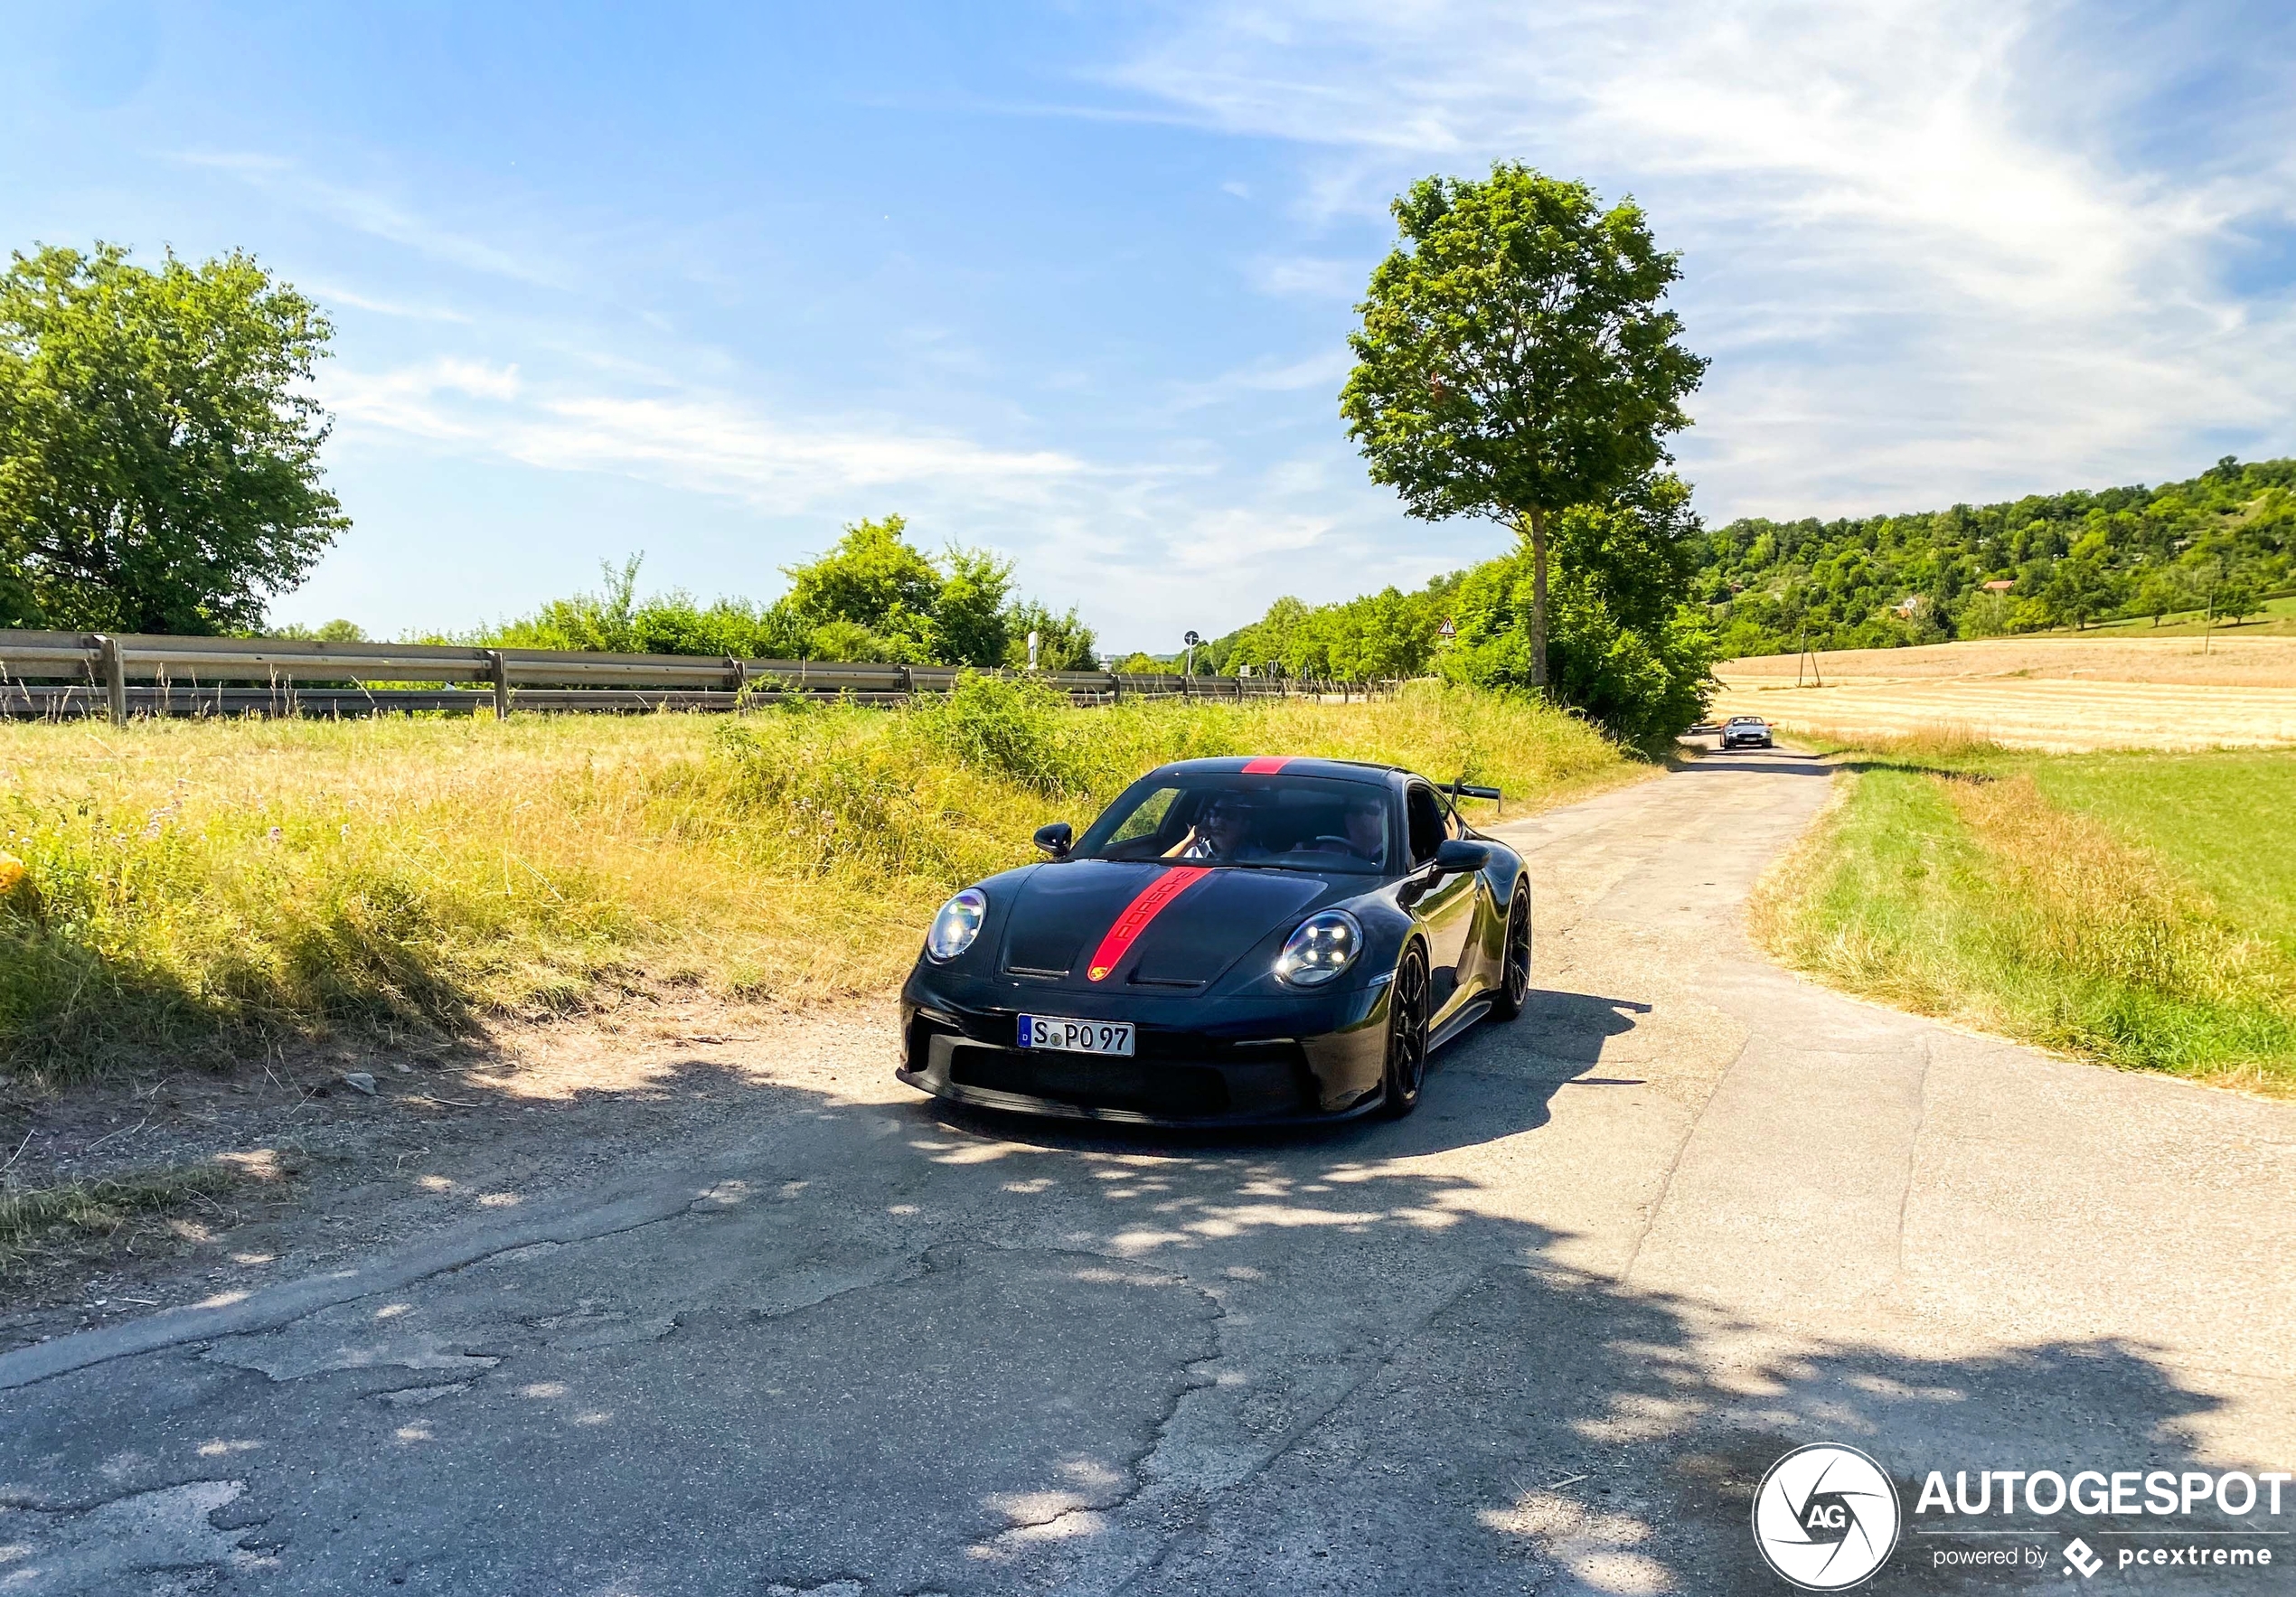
x: 1425, y: 813
x: 1144, y: 821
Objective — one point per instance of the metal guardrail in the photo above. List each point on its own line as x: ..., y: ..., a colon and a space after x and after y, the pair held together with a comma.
x: 53, y: 675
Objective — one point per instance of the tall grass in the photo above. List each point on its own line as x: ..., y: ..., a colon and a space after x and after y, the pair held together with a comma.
x: 1965, y: 890
x: 197, y: 887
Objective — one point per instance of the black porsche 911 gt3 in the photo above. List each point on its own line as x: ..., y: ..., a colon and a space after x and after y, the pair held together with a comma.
x: 1234, y: 940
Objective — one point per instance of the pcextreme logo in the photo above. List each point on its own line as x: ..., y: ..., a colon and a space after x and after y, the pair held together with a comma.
x: 1825, y: 1516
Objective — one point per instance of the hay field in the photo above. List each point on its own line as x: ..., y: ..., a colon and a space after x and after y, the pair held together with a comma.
x: 2060, y: 694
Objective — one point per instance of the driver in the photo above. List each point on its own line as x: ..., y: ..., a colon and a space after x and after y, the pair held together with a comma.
x: 1363, y: 818
x: 1223, y: 831
x: 1367, y: 827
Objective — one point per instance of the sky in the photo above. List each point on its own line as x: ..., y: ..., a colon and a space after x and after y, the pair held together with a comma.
x: 1073, y: 282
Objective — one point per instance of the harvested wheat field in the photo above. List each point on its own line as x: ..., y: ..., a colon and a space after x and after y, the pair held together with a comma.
x: 2056, y: 693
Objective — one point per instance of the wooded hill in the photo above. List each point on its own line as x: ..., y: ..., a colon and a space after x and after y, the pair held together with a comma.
x: 2227, y: 535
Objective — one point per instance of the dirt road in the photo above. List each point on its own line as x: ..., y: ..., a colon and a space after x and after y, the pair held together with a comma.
x: 1543, y: 1336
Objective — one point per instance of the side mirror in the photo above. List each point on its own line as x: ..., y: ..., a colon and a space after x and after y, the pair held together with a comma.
x: 1461, y: 854
x: 1055, y: 839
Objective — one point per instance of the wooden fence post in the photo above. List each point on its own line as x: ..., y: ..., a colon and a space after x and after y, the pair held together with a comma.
x: 499, y: 668
x: 115, y: 678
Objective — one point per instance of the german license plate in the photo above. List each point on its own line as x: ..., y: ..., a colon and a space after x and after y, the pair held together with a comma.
x: 1077, y: 1037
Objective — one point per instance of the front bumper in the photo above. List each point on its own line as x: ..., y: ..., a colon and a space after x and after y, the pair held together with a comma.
x: 1199, y: 1062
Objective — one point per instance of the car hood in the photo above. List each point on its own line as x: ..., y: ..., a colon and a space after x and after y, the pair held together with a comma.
x: 1063, y: 914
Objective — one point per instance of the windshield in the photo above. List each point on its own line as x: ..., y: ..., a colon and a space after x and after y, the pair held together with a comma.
x: 1275, y: 822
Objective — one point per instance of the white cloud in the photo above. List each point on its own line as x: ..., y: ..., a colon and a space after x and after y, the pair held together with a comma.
x: 329, y: 296
x: 704, y: 442
x: 1923, y: 238
x: 1307, y: 276
x: 367, y: 211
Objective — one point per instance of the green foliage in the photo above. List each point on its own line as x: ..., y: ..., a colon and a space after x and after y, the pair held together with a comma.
x: 1623, y: 651
x: 1017, y: 728
x: 1376, y: 637
x: 876, y: 580
x: 872, y: 596
x: 972, y: 611
x: 1513, y: 359
x: 159, y: 449
x: 337, y: 631
x: 1064, y: 642
x: 2072, y: 559
x: 614, y: 621
x: 1513, y: 355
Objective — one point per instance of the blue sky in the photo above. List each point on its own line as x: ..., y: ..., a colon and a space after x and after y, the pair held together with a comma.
x: 1074, y: 281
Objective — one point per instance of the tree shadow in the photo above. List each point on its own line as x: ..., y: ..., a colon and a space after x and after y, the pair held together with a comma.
x: 916, y: 1349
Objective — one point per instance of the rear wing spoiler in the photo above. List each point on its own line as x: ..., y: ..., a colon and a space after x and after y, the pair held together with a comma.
x: 1462, y: 790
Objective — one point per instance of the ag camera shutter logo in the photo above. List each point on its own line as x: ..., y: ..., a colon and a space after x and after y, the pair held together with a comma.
x: 1825, y: 1516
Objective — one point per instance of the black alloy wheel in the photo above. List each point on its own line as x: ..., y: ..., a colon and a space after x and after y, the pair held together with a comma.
x: 1406, y: 1036
x: 1514, y: 970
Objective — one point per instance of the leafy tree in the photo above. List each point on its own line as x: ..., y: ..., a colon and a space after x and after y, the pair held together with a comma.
x: 1626, y: 649
x: 2236, y: 599
x: 2079, y: 590
x: 1513, y: 358
x: 971, y: 610
x: 159, y: 453
x: 331, y: 632
x: 874, y: 580
x: 2156, y: 593
x: 1063, y: 642
x: 1137, y: 664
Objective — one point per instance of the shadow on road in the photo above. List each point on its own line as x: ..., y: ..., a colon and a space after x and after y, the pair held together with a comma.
x: 917, y: 1350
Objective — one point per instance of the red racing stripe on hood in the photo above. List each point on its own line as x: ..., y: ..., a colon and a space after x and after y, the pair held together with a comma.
x: 1137, y: 913
x: 1266, y: 767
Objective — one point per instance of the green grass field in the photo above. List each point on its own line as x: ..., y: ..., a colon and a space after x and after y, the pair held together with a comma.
x: 2277, y: 620
x: 195, y: 887
x: 2138, y: 909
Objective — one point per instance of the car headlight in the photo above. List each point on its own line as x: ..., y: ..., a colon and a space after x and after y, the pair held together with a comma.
x: 1325, y: 944
x: 956, y: 926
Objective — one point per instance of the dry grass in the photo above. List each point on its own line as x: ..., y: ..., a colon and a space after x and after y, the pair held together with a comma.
x: 2117, y: 657
x: 72, y: 1217
x: 198, y: 887
x: 2061, y: 694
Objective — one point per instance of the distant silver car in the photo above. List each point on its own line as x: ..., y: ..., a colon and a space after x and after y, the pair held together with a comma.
x: 1745, y: 731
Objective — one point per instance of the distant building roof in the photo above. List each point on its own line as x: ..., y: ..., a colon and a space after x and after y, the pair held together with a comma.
x: 1998, y: 586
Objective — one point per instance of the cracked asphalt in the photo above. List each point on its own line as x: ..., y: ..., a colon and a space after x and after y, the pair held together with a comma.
x: 1545, y: 1336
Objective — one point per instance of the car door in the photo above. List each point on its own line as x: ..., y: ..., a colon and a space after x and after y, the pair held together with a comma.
x: 1445, y: 905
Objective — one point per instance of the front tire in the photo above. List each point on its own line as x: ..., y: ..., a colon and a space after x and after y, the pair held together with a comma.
x: 1407, y: 1065
x: 1514, y: 966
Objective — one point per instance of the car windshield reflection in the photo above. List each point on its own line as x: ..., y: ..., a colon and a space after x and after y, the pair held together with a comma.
x: 1272, y: 822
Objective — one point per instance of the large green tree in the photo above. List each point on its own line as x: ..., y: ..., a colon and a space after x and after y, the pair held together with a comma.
x: 1516, y: 358
x: 159, y: 444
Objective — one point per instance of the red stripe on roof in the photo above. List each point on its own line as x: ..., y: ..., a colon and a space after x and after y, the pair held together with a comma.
x: 1137, y: 913
x: 1266, y: 767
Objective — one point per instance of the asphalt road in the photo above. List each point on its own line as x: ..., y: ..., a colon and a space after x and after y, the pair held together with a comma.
x: 1543, y: 1336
